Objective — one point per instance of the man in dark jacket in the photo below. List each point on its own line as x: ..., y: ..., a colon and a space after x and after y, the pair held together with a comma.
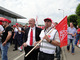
x: 31, y: 36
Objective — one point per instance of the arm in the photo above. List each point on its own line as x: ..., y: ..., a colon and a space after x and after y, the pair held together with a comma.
x: 13, y: 35
x: 74, y: 34
x: 2, y: 29
x: 56, y: 40
x: 1, y: 32
x: 78, y: 31
x: 69, y: 33
x: 7, y: 38
x: 18, y: 29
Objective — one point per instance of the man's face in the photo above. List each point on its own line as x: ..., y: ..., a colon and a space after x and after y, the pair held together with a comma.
x: 48, y: 23
x: 4, y: 23
x: 71, y: 24
x: 19, y: 25
x: 25, y: 26
x: 55, y: 24
x: 31, y: 22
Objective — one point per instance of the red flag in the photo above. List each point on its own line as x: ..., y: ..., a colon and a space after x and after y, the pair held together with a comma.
x: 62, y: 30
x: 36, y: 21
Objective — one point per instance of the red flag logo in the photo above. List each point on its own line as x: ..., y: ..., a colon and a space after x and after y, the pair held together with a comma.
x: 62, y: 30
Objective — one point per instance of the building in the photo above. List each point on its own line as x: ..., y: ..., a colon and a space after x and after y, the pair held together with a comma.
x: 10, y: 15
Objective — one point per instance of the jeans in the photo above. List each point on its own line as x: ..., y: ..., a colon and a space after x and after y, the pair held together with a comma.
x: 4, y: 50
x: 77, y: 38
x: 0, y: 45
x: 73, y: 44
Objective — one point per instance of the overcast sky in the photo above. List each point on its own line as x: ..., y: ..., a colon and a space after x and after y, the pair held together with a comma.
x: 41, y: 8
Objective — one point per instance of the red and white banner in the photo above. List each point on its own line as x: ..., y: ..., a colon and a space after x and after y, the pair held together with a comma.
x: 62, y: 30
x: 36, y: 21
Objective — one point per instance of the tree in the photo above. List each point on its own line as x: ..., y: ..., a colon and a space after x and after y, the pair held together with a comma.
x: 78, y: 20
x: 78, y: 13
x: 78, y: 10
x: 73, y: 18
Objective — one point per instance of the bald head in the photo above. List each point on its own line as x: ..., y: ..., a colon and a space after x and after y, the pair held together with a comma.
x: 32, y: 19
x: 32, y: 22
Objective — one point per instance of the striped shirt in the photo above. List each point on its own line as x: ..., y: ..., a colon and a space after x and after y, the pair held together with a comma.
x: 47, y: 47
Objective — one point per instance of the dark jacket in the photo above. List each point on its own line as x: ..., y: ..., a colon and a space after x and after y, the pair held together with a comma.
x: 37, y: 33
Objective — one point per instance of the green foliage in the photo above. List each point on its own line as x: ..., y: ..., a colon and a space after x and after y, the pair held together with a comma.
x: 78, y: 20
x: 73, y: 18
x: 78, y: 10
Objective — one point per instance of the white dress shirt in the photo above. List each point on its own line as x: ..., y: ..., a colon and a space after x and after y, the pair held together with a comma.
x: 28, y: 39
x: 16, y: 30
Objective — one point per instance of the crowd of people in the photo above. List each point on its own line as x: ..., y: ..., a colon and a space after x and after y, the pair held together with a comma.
x: 29, y: 36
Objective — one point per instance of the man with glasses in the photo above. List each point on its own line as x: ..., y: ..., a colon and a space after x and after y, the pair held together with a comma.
x: 31, y: 36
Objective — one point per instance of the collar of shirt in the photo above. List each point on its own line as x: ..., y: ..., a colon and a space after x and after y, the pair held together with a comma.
x: 32, y: 28
x: 47, y: 30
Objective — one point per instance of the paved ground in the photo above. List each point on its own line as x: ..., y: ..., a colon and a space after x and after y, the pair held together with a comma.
x: 69, y: 56
x: 15, y: 55
x: 12, y: 55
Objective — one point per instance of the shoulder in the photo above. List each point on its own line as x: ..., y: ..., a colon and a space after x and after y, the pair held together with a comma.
x: 38, y: 28
x: 9, y: 27
x: 74, y: 28
x: 68, y: 27
x: 55, y: 30
x: 1, y: 26
x: 27, y: 29
x: 42, y: 33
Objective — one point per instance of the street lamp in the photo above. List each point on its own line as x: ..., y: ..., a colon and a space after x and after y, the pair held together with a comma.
x: 63, y: 12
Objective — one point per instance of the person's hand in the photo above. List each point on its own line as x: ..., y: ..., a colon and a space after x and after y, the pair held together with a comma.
x: 37, y: 46
x: 35, y: 43
x: 70, y: 33
x: 24, y: 44
x: 73, y: 35
x: 13, y: 37
x: 4, y: 43
x: 78, y: 32
x: 47, y: 38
